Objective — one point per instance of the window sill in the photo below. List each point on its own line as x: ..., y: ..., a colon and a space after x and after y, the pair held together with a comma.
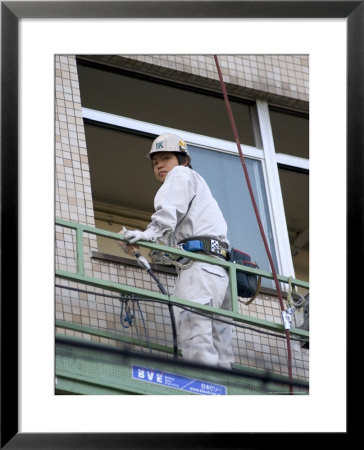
x: 132, y: 262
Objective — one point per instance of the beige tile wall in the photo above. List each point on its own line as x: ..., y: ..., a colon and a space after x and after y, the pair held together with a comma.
x: 73, y: 184
x: 100, y: 308
x: 265, y: 351
x: 283, y: 75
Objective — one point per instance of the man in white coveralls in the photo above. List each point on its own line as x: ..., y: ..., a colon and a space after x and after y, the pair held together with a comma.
x: 186, y: 213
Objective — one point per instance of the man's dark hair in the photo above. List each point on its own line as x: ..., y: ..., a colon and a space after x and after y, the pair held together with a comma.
x: 182, y: 159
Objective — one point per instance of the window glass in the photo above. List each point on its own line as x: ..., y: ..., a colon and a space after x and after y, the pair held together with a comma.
x: 295, y: 192
x: 121, y: 173
x: 225, y: 176
x: 158, y: 103
x: 290, y: 133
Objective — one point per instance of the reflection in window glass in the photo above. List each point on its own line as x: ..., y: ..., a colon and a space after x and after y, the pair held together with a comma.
x: 225, y: 177
x: 290, y: 133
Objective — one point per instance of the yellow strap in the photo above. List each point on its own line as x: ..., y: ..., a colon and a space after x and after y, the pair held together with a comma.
x: 254, y: 296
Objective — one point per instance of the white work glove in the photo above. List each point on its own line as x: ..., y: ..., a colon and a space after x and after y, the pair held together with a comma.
x: 136, y: 235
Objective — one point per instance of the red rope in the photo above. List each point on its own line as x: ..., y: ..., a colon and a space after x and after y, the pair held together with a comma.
x: 236, y: 136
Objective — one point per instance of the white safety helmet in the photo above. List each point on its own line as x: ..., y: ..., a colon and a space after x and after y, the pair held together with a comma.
x: 169, y: 143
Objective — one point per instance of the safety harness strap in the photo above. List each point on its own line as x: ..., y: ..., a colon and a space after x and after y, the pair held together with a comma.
x: 205, y: 244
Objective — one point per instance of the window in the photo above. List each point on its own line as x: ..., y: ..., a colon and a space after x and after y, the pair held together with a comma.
x: 225, y: 176
x: 295, y: 192
x: 161, y: 103
x: 290, y: 132
x: 291, y: 143
x: 125, y: 113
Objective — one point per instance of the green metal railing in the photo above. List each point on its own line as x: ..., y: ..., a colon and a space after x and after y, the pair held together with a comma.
x: 81, y: 277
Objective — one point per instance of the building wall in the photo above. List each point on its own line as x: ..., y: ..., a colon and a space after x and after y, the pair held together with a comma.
x: 283, y: 79
x: 275, y: 75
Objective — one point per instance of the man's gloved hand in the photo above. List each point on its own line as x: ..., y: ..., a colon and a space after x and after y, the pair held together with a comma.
x: 137, y: 235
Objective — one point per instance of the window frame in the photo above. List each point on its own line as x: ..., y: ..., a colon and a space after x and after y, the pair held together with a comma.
x: 274, y: 192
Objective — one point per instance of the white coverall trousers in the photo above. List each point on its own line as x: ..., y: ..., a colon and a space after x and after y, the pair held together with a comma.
x: 201, y: 339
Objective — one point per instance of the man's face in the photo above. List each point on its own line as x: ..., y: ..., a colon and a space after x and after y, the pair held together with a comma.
x: 163, y: 163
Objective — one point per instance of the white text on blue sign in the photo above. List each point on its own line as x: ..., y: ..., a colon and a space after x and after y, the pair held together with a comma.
x: 171, y: 380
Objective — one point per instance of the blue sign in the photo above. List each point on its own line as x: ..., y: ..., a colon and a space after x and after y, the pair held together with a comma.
x: 176, y: 381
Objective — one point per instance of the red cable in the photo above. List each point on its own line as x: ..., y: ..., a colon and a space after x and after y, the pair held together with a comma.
x: 235, y: 132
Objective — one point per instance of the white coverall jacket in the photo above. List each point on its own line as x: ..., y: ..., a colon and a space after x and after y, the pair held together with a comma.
x: 184, y: 208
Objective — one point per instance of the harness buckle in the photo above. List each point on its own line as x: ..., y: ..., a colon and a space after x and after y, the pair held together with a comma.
x: 194, y: 246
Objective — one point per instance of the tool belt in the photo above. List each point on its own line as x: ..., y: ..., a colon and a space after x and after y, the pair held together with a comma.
x: 205, y: 244
x: 248, y: 284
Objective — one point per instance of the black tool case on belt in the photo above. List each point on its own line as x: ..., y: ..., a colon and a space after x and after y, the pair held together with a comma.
x: 247, y: 283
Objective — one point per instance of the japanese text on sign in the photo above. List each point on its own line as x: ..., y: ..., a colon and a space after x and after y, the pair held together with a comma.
x: 177, y: 382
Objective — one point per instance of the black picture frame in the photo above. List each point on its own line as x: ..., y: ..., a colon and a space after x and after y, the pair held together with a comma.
x: 11, y: 13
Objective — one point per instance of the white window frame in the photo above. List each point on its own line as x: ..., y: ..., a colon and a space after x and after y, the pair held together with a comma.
x: 274, y: 193
x: 267, y: 155
x: 192, y: 138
